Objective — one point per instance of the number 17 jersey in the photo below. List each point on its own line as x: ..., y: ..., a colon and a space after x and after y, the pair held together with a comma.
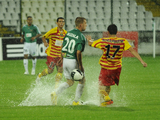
x: 112, y: 48
x: 73, y: 41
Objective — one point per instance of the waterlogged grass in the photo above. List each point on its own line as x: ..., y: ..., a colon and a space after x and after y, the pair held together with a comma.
x: 136, y: 98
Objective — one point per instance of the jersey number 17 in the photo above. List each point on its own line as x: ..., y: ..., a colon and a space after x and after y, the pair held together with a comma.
x: 108, y: 50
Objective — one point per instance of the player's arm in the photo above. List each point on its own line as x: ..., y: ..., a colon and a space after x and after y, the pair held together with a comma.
x: 44, y: 41
x: 137, y: 56
x: 89, y: 39
x: 47, y: 36
x: 22, y: 39
x: 79, y: 60
x: 38, y: 35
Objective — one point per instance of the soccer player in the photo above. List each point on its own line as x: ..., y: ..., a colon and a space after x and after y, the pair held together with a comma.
x: 111, y: 61
x: 53, y: 51
x: 73, y: 46
x: 29, y: 34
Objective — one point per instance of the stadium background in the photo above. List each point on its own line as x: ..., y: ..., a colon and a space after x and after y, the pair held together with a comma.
x: 137, y: 96
x: 128, y: 15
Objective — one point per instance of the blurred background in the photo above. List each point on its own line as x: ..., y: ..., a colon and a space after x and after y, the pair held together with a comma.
x: 141, y: 16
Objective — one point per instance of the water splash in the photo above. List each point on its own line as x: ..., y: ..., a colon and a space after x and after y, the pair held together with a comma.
x: 39, y: 95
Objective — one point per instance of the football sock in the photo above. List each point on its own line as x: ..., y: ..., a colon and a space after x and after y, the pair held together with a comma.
x: 62, y: 87
x: 25, y: 63
x: 108, y: 89
x: 58, y: 78
x: 43, y: 73
x: 103, y: 92
x: 34, y: 61
x: 79, y: 91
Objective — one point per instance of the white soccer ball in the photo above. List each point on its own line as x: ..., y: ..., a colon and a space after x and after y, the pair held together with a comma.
x: 77, y: 75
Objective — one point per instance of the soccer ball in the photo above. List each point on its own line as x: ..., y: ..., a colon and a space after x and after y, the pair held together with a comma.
x: 77, y: 75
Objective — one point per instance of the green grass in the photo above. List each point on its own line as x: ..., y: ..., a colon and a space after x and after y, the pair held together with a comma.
x: 136, y: 98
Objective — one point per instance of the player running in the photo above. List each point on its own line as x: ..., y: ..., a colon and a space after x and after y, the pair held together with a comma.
x: 73, y: 46
x: 111, y: 61
x: 53, y: 51
x: 29, y: 33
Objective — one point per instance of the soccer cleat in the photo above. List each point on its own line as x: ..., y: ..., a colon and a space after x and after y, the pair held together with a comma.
x: 77, y: 103
x: 107, y: 98
x: 104, y: 104
x: 54, y: 98
x: 26, y: 73
x: 33, y: 72
x: 38, y: 79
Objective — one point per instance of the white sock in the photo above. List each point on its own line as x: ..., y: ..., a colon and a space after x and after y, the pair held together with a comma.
x: 79, y: 91
x: 25, y: 63
x: 62, y: 87
x: 34, y: 61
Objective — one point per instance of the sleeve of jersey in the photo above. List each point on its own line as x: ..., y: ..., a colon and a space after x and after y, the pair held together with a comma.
x: 127, y: 45
x: 80, y: 47
x: 48, y: 34
x: 97, y: 44
x: 38, y: 31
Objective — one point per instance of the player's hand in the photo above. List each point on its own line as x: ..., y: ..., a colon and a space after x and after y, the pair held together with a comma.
x: 21, y: 40
x: 144, y: 64
x: 59, y: 63
x: 88, y: 37
x: 33, y: 38
x: 46, y: 44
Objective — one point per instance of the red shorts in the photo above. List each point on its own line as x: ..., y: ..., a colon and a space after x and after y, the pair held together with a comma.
x: 109, y: 77
x: 52, y: 62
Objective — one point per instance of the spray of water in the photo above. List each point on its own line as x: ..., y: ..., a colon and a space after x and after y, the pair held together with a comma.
x: 39, y: 94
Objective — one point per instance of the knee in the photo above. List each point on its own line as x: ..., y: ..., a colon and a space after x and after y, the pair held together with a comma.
x: 82, y: 81
x: 50, y: 71
x: 60, y: 69
x: 25, y: 56
x: 70, y: 82
x: 33, y: 58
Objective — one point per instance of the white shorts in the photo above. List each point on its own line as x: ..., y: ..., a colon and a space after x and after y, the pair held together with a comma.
x: 29, y: 48
x: 68, y: 66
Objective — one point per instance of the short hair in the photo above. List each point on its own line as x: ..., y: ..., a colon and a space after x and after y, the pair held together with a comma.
x: 112, y: 29
x: 79, y: 20
x: 59, y: 18
x: 29, y: 17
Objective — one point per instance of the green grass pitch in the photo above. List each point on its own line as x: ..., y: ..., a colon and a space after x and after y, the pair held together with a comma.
x: 136, y: 98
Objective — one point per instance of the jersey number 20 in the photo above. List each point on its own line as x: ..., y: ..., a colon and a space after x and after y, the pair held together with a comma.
x: 69, y: 46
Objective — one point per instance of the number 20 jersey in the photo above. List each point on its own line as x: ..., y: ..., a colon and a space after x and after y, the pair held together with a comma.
x: 73, y: 41
x: 112, y: 48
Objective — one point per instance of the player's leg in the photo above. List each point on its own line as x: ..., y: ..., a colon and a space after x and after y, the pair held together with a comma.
x: 33, y: 54
x: 58, y: 76
x: 104, y: 87
x: 68, y: 66
x: 79, y: 91
x: 34, y: 61
x: 25, y: 60
x: 64, y: 86
x: 104, y: 95
x: 59, y: 90
x: 50, y: 63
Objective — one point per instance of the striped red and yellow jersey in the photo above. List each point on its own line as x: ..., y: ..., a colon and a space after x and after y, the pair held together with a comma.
x: 113, y: 48
x: 55, y: 42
